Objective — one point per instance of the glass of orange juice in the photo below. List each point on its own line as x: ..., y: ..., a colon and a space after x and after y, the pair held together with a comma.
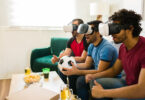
x: 27, y: 71
x: 64, y: 92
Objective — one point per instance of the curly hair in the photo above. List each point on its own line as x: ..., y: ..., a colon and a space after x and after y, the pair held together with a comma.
x: 128, y: 17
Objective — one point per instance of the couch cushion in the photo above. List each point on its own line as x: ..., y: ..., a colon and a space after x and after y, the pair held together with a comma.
x: 58, y: 44
x: 44, y: 62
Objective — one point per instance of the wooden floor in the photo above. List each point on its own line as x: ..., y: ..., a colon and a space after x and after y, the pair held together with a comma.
x: 4, y: 88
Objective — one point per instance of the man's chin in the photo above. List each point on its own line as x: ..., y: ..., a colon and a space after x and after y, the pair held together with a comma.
x: 116, y: 42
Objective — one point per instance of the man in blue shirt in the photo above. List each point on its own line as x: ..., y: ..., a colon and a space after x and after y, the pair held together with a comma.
x: 101, y: 54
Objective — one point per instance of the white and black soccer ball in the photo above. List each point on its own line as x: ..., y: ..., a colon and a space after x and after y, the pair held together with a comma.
x: 65, y: 62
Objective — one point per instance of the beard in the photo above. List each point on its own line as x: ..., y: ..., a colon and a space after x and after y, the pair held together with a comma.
x: 92, y: 40
x: 119, y: 40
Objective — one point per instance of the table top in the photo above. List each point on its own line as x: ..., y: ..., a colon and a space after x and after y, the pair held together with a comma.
x: 53, y: 83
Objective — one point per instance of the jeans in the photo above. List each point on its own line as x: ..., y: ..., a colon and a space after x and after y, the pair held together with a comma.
x: 82, y: 88
x: 72, y: 80
x: 107, y: 83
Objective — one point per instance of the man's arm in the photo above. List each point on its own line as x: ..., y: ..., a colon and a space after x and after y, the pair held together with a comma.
x: 78, y: 70
x: 88, y: 63
x: 135, y: 91
x: 75, y: 71
x: 67, y: 52
x: 82, y: 58
x: 81, y: 68
x: 111, y: 72
x: 103, y: 65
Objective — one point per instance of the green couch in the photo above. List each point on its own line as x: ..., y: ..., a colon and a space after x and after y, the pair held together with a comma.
x: 41, y: 57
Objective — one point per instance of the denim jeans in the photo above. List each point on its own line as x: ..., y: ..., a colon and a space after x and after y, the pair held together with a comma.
x: 107, y: 83
x: 82, y: 88
x: 72, y: 80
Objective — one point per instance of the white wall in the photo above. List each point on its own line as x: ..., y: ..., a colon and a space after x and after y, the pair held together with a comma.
x: 16, y: 47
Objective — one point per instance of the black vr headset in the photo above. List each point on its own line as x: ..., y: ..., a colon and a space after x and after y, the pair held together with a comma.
x: 70, y: 28
x: 103, y: 29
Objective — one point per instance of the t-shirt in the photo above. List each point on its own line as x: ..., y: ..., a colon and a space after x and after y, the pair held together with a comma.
x: 77, y: 48
x: 104, y: 51
x: 133, y: 60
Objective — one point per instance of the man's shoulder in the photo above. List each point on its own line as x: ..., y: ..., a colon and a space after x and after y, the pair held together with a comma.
x: 71, y: 40
x: 122, y: 46
x: 91, y: 45
x: 107, y: 44
x: 142, y: 39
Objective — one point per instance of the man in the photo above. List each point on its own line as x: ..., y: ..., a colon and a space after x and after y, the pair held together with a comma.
x: 131, y: 59
x: 101, y: 54
x: 76, y: 45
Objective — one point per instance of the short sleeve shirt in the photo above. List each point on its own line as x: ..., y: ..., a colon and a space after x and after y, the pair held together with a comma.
x: 133, y: 60
x: 104, y: 51
x: 77, y: 48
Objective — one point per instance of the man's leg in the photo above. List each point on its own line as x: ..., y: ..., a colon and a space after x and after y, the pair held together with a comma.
x: 63, y: 77
x: 82, y: 88
x: 109, y: 83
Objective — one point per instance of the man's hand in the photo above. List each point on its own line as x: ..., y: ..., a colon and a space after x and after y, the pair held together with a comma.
x: 89, y: 77
x: 54, y: 59
x: 97, y: 91
x: 61, y: 54
x: 70, y: 71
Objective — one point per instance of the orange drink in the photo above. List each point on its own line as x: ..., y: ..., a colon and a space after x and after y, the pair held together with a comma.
x: 27, y: 71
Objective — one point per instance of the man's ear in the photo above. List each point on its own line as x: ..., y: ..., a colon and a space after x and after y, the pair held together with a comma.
x: 131, y: 27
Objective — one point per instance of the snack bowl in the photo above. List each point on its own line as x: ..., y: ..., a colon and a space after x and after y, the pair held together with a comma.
x: 32, y: 78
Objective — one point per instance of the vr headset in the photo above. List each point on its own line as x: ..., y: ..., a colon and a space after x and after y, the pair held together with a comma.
x: 103, y: 29
x: 70, y: 28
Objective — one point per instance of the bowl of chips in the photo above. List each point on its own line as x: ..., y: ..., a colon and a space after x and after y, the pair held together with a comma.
x: 32, y: 78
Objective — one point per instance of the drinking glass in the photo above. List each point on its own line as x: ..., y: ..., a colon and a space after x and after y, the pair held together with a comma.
x: 46, y: 73
x: 27, y: 71
x: 64, y: 92
x: 70, y: 94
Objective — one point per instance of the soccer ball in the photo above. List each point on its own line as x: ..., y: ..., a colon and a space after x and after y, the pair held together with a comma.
x: 65, y: 62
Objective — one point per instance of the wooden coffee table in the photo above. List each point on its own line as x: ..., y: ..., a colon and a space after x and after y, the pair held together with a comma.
x: 53, y: 83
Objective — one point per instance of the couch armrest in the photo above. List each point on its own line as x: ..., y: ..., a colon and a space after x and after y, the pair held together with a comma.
x: 40, y: 52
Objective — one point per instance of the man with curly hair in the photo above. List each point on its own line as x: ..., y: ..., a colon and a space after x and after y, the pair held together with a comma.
x: 131, y: 59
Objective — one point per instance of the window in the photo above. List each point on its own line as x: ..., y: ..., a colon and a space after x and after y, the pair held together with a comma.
x: 42, y: 12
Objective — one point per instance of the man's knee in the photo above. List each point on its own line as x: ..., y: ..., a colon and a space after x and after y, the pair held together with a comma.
x: 109, y: 83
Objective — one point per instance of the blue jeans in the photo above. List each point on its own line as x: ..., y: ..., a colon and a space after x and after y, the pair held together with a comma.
x: 107, y: 83
x: 82, y: 88
x: 72, y: 80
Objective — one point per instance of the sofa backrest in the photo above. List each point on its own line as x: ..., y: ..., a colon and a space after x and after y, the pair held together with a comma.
x: 57, y: 45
